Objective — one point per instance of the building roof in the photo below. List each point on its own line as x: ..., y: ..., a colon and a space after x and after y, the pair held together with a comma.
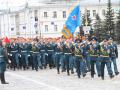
x: 16, y: 5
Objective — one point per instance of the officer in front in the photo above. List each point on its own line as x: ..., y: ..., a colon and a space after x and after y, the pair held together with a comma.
x: 3, y: 61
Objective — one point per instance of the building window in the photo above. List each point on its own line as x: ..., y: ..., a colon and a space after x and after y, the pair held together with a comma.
x: 36, y: 32
x: 24, y: 27
x: 52, y: 23
x: 12, y: 29
x: 36, y: 18
x: 35, y: 25
x: 64, y: 14
x: 45, y: 15
x: 88, y: 12
x: 55, y: 27
x: 54, y: 14
x: 94, y: 13
x: 103, y: 12
x: 46, y: 28
x: 36, y: 12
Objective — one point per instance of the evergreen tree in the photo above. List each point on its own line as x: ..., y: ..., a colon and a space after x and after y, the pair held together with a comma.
x: 88, y: 20
x: 97, y: 26
x: 99, y: 32
x: 118, y: 26
x: 83, y: 20
x: 109, y: 21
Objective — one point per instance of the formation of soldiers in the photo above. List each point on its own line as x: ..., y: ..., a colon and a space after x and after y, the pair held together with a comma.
x: 75, y: 56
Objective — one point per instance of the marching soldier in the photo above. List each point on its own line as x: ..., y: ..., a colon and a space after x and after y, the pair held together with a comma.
x: 105, y: 52
x: 57, y: 56
x: 15, y: 55
x: 43, y: 54
x: 35, y: 54
x: 94, y: 57
x: 67, y: 53
x: 8, y: 47
x: 39, y: 56
x: 72, y: 57
x: 24, y: 55
x: 79, y: 59
x: 86, y: 55
x: 29, y: 50
x: 62, y: 58
x: 113, y: 54
x: 3, y: 61
x: 50, y: 53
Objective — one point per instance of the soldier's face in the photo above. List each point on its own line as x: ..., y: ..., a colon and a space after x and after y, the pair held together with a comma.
x: 105, y: 42
x: 110, y: 41
x: 94, y: 42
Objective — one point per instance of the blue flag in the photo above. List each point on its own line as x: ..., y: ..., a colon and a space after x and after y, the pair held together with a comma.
x: 73, y: 21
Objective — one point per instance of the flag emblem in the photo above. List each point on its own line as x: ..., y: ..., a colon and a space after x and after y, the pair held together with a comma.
x: 74, y: 17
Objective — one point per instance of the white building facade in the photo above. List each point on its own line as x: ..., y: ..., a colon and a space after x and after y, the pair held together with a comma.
x: 46, y: 20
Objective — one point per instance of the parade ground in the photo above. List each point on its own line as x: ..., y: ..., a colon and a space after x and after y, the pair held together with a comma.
x: 49, y: 80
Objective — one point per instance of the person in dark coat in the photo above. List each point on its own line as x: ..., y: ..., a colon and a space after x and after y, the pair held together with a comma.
x: 3, y: 61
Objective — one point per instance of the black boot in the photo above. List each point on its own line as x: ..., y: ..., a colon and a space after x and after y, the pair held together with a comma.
x: 116, y: 73
x: 92, y: 76
x: 3, y: 79
x: 84, y: 75
x: 72, y: 71
x: 58, y: 70
x: 102, y: 78
x: 79, y: 76
x: 0, y: 76
x: 5, y: 83
x: 111, y: 76
x: 68, y: 72
x: 99, y: 75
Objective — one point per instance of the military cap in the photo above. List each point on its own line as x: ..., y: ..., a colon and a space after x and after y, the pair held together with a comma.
x: 94, y: 38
